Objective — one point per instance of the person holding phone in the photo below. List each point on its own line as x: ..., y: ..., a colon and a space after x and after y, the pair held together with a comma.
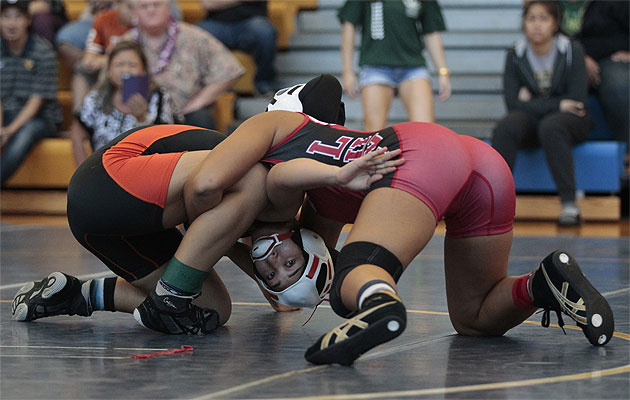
x: 126, y: 98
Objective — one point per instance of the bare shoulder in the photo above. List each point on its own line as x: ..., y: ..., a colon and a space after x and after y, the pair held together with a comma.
x: 278, y: 123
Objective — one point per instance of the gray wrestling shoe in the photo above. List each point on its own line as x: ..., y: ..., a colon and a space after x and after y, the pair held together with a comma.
x: 560, y: 285
x: 57, y: 294
x: 173, y: 314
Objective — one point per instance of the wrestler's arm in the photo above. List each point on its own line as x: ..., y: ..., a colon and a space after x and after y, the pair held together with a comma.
x: 231, y: 160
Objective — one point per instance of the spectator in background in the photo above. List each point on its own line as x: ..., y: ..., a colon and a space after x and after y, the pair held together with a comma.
x: 71, y: 38
x: 545, y: 88
x: 391, y: 57
x: 105, y: 114
x: 28, y: 87
x: 107, y: 28
x: 605, y: 36
x: 47, y: 17
x: 193, y: 66
x: 603, y: 29
x: 243, y: 25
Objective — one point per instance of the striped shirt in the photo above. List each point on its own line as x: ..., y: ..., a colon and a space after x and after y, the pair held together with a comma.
x: 34, y: 72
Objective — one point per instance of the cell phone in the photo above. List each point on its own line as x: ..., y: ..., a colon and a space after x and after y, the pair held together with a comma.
x: 133, y: 84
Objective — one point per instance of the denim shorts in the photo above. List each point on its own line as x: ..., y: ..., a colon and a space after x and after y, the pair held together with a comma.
x: 390, y: 76
x: 74, y: 33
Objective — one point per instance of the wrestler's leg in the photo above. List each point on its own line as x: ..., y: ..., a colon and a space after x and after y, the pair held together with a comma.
x: 404, y: 231
x: 417, y: 96
x: 482, y: 300
x: 376, y: 100
x: 478, y: 290
x: 132, y: 258
x: 214, y: 294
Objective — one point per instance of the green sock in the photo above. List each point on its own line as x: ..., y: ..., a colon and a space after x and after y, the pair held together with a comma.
x: 182, y: 277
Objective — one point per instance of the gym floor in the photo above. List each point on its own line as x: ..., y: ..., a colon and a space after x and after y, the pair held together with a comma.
x: 259, y: 353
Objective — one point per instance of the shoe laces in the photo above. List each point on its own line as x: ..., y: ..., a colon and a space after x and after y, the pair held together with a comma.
x: 546, y: 318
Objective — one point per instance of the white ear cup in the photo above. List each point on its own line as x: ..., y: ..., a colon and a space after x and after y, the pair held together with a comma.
x: 287, y: 99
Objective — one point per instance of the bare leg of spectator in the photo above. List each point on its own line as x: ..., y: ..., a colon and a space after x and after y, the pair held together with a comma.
x: 417, y: 96
x: 377, y: 100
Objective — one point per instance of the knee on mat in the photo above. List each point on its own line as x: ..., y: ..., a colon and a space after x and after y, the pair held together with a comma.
x: 220, y: 302
x: 471, y: 328
x: 224, y: 309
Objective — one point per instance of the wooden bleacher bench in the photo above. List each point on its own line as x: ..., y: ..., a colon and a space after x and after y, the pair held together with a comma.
x: 49, y: 165
x: 74, y: 8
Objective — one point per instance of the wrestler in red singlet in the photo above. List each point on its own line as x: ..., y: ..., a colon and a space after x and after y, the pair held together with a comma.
x: 460, y: 178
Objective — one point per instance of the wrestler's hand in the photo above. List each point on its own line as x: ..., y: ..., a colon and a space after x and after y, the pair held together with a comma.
x: 361, y: 173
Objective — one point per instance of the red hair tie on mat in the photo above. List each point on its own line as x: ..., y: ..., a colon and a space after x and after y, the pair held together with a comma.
x: 182, y: 349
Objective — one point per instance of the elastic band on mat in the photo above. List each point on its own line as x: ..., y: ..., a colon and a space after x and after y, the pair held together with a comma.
x: 182, y: 349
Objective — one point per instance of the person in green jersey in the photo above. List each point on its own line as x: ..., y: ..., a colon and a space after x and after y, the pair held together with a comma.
x: 393, y: 37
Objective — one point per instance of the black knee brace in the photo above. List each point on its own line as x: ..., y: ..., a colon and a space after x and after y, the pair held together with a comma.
x: 353, y: 255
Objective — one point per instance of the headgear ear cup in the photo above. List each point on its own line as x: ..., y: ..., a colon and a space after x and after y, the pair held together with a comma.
x: 287, y: 99
x: 320, y: 98
x: 341, y: 118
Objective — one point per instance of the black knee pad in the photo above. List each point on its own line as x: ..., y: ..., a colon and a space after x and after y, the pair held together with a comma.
x: 353, y: 255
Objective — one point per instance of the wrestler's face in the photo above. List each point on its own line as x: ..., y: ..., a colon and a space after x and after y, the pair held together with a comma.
x: 13, y: 24
x: 283, y: 267
x: 126, y: 62
x: 540, y: 26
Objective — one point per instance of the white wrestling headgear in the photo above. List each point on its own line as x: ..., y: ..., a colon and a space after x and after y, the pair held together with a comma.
x: 316, y: 280
x: 320, y: 98
x: 287, y: 99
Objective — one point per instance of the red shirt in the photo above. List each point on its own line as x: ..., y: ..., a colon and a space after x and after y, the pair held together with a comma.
x: 106, y: 30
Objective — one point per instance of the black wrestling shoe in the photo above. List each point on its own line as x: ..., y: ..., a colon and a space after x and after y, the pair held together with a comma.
x: 559, y: 285
x: 57, y: 294
x: 174, y: 314
x: 382, y: 318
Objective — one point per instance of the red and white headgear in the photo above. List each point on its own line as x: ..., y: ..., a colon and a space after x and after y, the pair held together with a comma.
x: 316, y: 280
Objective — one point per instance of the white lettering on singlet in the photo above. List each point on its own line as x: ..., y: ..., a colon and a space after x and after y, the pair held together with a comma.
x: 345, y: 147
